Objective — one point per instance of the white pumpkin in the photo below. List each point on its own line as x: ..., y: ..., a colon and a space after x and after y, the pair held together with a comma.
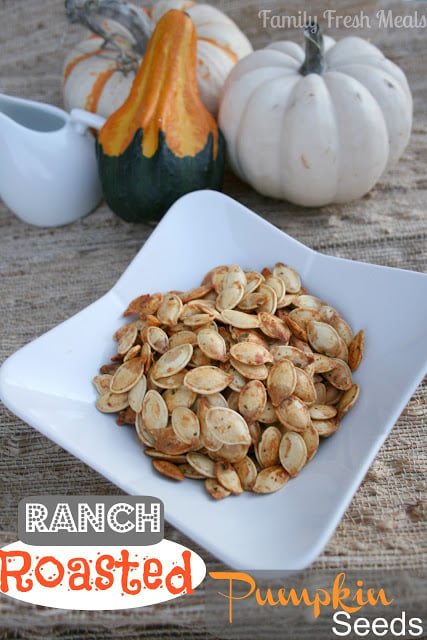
x: 97, y: 76
x: 316, y: 128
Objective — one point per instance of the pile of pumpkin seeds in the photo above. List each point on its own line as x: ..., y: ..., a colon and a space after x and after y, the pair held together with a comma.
x: 235, y: 381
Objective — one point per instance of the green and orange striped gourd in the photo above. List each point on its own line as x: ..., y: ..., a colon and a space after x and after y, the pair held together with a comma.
x: 162, y: 142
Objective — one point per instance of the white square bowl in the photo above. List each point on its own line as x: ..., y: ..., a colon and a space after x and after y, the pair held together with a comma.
x: 48, y: 384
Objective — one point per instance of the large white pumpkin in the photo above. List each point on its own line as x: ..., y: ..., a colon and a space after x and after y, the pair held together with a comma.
x: 318, y: 127
x: 97, y: 76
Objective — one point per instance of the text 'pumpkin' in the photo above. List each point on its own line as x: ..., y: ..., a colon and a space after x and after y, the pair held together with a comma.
x: 162, y: 142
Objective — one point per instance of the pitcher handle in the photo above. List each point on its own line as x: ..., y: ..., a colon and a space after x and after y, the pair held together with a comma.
x: 82, y: 119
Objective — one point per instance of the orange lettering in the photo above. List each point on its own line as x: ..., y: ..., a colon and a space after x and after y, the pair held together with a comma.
x: 133, y: 586
x: 340, y: 593
x: 184, y: 573
x: 152, y: 573
x: 231, y: 576
x: 103, y: 573
x: 74, y: 565
x: 267, y: 600
x: 6, y: 573
x: 45, y: 581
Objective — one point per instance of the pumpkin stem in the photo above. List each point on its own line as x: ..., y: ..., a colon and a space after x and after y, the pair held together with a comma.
x: 314, y: 49
x: 92, y: 13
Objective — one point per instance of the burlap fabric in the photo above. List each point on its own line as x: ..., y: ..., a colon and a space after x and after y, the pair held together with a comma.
x: 49, y: 274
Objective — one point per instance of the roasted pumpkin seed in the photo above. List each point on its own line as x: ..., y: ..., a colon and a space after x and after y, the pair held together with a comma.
x: 292, y: 453
x: 270, y: 479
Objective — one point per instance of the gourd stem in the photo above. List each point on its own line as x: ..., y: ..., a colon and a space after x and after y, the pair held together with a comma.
x: 91, y: 14
x: 314, y: 62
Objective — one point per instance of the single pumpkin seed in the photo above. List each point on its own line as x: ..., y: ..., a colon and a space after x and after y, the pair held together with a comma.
x: 180, y: 397
x: 326, y: 428
x: 250, y: 353
x: 273, y: 327
x: 154, y: 411
x: 253, y: 280
x: 172, y: 361
x: 228, y: 426
x: 182, y: 337
x: 322, y: 363
x: 292, y: 453
x: 268, y: 416
x: 340, y: 375
x: 293, y: 413
x: 348, y: 400
x: 196, y: 292
x: 155, y: 453
x: 199, y: 319
x: 198, y: 359
x: 355, y: 350
x: 230, y: 452
x: 157, y: 339
x: 247, y: 472
x: 208, y: 438
x: 109, y: 402
x: 268, y: 447
x: 300, y: 344
x: 137, y: 393
x: 251, y: 301
x: 279, y: 287
x: 207, y: 379
x: 132, y: 353
x: 289, y: 276
x: 270, y: 299
x: 296, y: 329
x: 102, y: 382
x: 281, y: 381
x: 127, y: 338
x: 239, y: 319
x: 227, y: 475
x: 216, y: 490
x: 322, y: 411
x: 170, y: 309
x: 320, y: 389
x: 127, y: 375
x: 299, y: 358
x: 230, y: 296
x: 186, y: 425
x: 333, y: 394
x: 323, y: 338
x: 343, y: 329
x: 212, y: 344
x: 144, y: 305
x: 251, y: 372
x: 202, y: 464
x: 247, y: 335
x: 168, y: 469
x: 255, y: 431
x: 270, y: 479
x: 306, y: 301
x: 302, y: 315
x: 171, y: 382
x: 238, y: 381
x: 311, y: 439
x: 189, y: 472
x: 304, y: 387
x: 251, y: 400
x: 145, y: 436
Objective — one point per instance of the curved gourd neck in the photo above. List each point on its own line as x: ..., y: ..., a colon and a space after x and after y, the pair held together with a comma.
x: 314, y: 50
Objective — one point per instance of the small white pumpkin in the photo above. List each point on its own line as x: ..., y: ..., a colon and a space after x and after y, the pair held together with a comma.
x: 99, y: 71
x: 316, y: 128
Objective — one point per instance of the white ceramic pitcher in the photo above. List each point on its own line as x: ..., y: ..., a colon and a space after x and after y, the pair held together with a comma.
x: 48, y: 168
